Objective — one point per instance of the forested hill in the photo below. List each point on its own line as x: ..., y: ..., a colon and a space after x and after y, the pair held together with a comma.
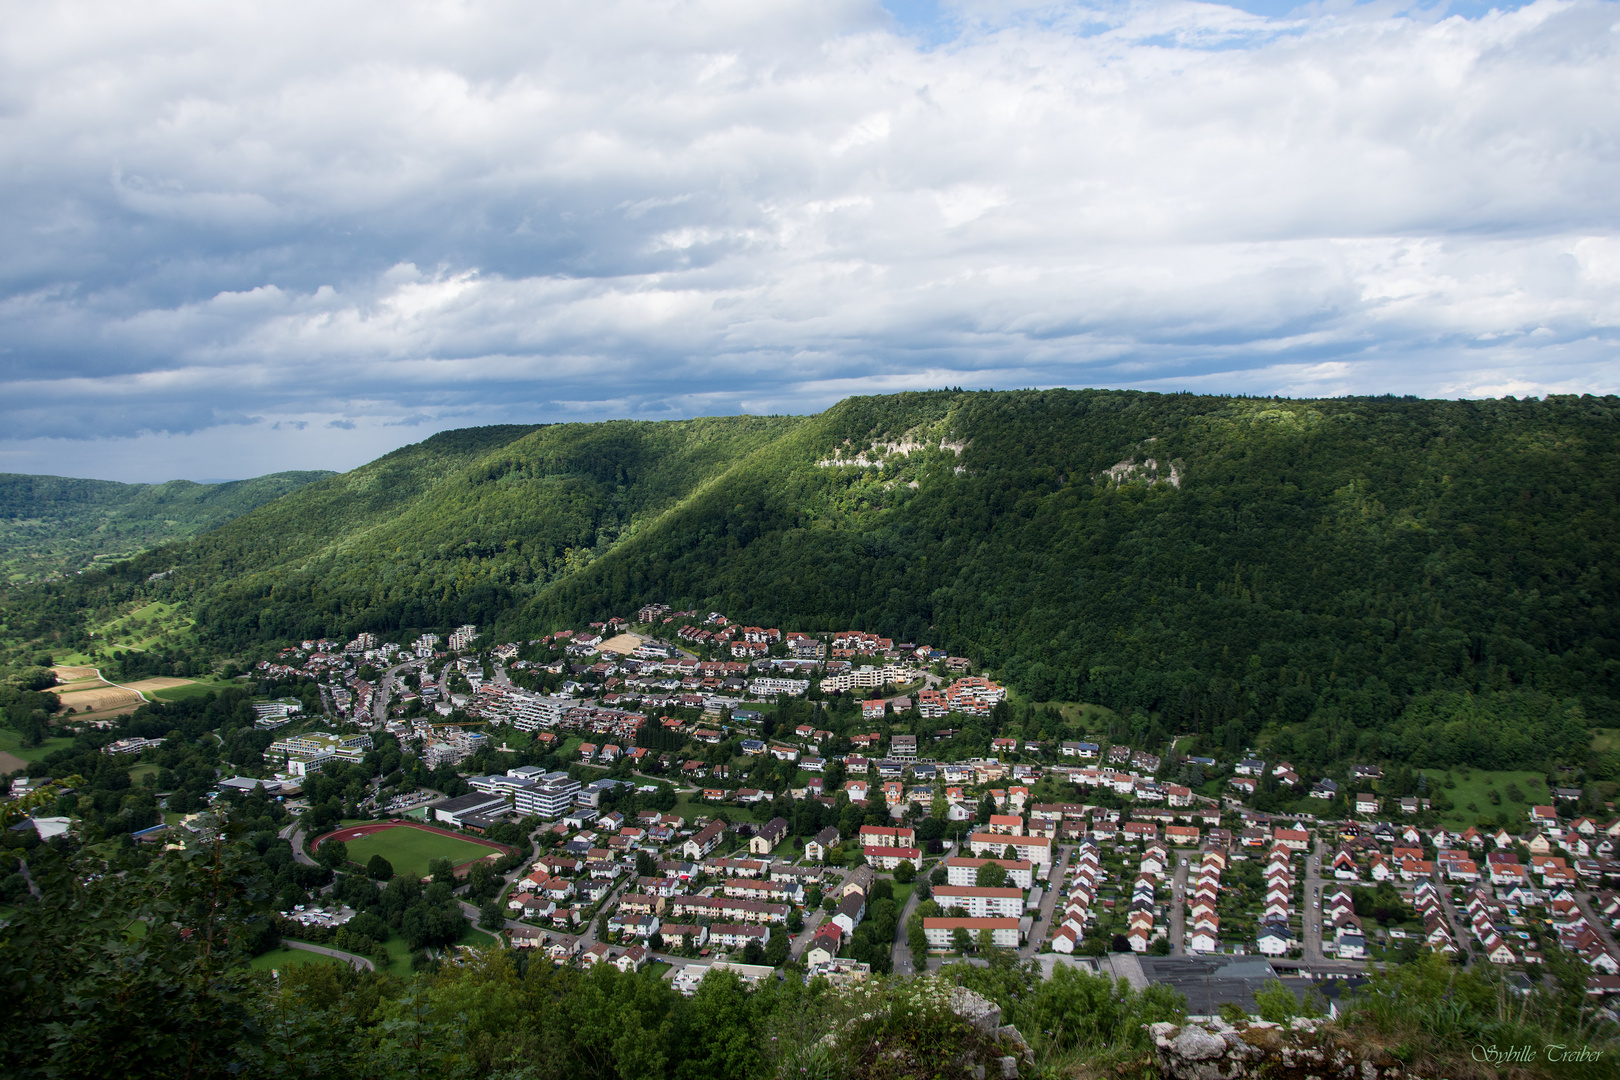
x: 1425, y: 580
x: 53, y: 524
x: 1429, y: 580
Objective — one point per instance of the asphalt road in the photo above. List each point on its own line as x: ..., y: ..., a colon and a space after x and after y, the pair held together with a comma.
x: 357, y: 962
x: 832, y: 879
x: 295, y: 834
x: 1178, y: 900
x: 904, y: 962
x: 1311, y: 917
x: 1583, y: 900
x: 1043, y: 917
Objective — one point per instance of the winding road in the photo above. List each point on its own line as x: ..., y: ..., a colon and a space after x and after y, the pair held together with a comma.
x: 359, y: 963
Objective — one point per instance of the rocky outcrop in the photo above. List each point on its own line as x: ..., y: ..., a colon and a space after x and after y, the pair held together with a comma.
x: 985, y: 1015
x: 1300, y: 1050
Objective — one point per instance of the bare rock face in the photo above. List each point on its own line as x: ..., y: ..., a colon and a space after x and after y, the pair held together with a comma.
x: 1304, y: 1050
x: 985, y: 1015
x: 976, y: 1009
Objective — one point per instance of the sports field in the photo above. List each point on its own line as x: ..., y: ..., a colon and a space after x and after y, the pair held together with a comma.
x: 408, y: 849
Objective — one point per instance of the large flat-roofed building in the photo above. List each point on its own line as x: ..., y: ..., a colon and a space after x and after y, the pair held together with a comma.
x: 313, y: 750
x: 474, y: 804
x: 551, y: 796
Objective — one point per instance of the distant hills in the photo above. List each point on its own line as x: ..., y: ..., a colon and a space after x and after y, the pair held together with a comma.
x: 1428, y: 581
x: 54, y: 525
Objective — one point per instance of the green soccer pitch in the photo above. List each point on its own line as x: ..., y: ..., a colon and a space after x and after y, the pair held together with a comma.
x: 408, y: 850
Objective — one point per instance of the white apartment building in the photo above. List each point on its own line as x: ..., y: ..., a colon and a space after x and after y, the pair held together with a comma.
x: 768, y: 687
x: 1002, y: 903
x: 960, y: 871
x: 1034, y: 849
x: 536, y: 711
x: 1003, y: 932
x: 868, y: 678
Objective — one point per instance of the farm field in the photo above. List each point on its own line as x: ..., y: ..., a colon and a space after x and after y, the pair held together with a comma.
x: 89, y: 695
x: 97, y: 697
x: 161, y: 682
x: 409, y: 850
x: 1471, y: 797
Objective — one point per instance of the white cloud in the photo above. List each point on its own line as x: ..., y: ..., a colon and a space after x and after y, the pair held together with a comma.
x: 489, y: 212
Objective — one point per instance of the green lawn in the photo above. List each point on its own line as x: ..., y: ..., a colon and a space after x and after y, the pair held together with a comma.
x: 689, y: 807
x: 1474, y: 787
x: 409, y: 850
x: 902, y: 893
x: 181, y: 693
x: 284, y: 957
x: 1083, y: 716
x: 480, y: 938
x: 399, y: 956
x: 11, y: 743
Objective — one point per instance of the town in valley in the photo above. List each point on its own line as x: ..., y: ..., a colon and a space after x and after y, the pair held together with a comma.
x: 673, y: 789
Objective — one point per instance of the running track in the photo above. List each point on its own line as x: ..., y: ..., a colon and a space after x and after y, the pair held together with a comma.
x: 354, y: 832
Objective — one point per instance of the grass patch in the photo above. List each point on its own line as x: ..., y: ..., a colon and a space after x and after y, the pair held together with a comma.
x: 902, y: 893
x: 1475, y: 787
x: 181, y: 693
x: 282, y: 956
x: 655, y: 969
x: 409, y: 850
x: 481, y: 938
x: 1081, y: 715
x: 143, y: 627
x: 139, y: 771
x: 690, y: 807
x: 11, y: 743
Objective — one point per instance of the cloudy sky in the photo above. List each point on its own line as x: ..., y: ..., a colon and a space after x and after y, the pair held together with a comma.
x: 237, y: 238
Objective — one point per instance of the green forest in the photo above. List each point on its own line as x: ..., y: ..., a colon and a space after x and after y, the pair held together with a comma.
x: 55, y: 525
x: 1432, y: 582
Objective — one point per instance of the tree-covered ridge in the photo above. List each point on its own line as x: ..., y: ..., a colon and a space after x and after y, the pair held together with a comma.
x: 1358, y: 577
x: 54, y: 524
x: 466, y: 532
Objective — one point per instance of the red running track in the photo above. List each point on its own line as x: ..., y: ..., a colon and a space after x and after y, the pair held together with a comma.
x: 354, y: 832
